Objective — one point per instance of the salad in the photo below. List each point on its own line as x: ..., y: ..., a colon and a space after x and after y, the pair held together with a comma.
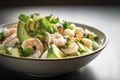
x: 43, y: 37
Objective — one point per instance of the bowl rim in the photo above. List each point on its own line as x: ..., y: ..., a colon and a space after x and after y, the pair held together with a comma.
x: 75, y: 57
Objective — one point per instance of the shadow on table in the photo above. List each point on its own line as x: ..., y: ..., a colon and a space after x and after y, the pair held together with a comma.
x: 83, y: 74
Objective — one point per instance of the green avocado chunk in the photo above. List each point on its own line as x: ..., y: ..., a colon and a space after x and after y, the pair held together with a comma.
x: 54, y: 52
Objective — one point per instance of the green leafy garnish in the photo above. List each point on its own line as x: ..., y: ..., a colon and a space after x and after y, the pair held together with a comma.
x: 34, y: 15
x: 66, y: 24
x: 27, y: 52
x: 24, y: 18
x: 52, y: 19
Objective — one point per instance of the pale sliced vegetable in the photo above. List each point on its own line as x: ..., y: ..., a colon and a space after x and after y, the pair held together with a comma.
x: 36, y: 55
x: 88, y: 50
x: 81, y: 47
x: 48, y: 37
x: 13, y: 52
x: 76, y: 54
x: 95, y: 45
x: 44, y: 55
x: 54, y: 52
x: 12, y: 42
x: 91, y: 35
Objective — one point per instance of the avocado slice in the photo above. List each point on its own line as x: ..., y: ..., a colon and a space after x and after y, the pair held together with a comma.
x: 32, y: 28
x: 28, y: 24
x: 36, y: 23
x: 31, y: 24
x: 13, y: 52
x: 54, y: 52
x: 21, y: 32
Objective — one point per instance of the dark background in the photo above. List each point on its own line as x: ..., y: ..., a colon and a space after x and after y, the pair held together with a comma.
x: 58, y: 2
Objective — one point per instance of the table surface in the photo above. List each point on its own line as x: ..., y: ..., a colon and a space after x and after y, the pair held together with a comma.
x: 106, y: 66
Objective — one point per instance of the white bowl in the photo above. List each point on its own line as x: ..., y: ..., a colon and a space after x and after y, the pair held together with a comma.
x: 52, y: 67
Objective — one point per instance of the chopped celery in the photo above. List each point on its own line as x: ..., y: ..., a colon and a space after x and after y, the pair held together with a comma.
x: 46, y: 25
x: 13, y: 51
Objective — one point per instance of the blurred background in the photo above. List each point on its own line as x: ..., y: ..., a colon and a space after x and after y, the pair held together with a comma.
x: 58, y: 2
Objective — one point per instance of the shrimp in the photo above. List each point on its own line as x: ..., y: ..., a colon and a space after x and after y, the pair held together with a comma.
x: 58, y: 39
x: 8, y: 32
x: 14, y: 26
x: 69, y: 32
x: 87, y: 42
x: 33, y: 43
x: 79, y: 33
x: 12, y: 42
x: 55, y: 38
x: 59, y: 27
x: 11, y: 37
x: 73, y: 47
